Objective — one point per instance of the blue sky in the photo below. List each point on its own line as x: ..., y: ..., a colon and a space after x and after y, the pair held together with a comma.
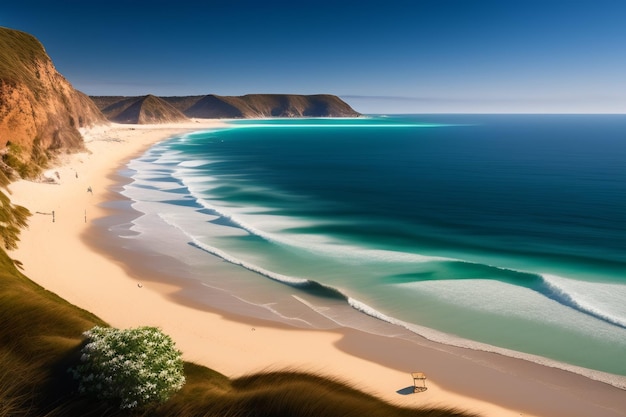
x: 380, y: 56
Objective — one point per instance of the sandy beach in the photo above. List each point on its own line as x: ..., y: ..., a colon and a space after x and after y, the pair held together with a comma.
x: 58, y: 252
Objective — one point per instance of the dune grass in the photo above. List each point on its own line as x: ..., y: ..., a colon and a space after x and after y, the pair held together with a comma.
x: 41, y: 336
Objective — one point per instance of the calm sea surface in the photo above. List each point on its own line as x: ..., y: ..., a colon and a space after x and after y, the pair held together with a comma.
x: 509, y: 231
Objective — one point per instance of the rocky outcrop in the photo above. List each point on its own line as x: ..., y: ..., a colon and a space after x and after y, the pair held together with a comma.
x: 234, y: 107
x: 139, y: 110
x: 40, y: 111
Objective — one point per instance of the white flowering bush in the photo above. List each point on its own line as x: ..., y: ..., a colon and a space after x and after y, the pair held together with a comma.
x: 137, y: 367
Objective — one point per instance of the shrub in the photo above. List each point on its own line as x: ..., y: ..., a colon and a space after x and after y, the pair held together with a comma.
x: 136, y: 367
x: 12, y: 219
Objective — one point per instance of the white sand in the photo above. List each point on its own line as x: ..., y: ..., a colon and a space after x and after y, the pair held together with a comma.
x: 55, y: 256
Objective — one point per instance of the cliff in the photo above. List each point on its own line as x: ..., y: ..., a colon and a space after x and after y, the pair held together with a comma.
x: 233, y: 107
x: 40, y: 111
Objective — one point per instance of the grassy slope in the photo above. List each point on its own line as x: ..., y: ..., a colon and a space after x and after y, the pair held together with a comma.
x: 40, y: 337
x: 19, y: 54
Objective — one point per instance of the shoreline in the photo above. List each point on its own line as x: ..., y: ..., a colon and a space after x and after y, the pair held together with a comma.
x: 194, y: 293
x: 107, y: 285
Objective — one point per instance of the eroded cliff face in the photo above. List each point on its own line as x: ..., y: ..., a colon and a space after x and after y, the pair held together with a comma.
x: 40, y: 111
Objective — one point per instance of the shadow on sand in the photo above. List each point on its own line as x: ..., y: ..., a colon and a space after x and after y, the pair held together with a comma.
x: 411, y: 390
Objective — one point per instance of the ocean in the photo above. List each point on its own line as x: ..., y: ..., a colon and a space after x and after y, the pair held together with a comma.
x: 496, y: 232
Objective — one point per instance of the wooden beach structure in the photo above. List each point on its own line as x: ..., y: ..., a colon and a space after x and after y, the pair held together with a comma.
x: 419, y: 381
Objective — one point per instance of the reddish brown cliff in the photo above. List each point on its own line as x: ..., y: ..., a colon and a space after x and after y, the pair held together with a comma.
x: 40, y: 111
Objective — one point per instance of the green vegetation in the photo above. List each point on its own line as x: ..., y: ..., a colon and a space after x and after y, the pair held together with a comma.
x: 136, y: 368
x: 39, y: 332
x: 12, y: 218
x: 20, y: 54
x: 39, y: 159
x: 41, y: 340
x: 18, y: 160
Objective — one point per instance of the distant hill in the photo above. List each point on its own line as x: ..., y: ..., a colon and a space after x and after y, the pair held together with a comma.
x: 235, y: 107
x: 214, y: 107
x: 40, y: 111
x: 139, y: 110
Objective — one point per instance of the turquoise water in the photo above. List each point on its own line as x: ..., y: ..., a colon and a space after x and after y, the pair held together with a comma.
x: 509, y: 231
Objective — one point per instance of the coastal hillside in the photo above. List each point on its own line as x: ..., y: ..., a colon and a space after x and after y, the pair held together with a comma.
x: 270, y: 105
x: 139, y: 110
x: 40, y: 111
x: 212, y: 106
x: 237, y: 107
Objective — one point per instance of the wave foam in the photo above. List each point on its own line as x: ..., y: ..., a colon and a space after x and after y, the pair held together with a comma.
x: 578, y: 295
x: 450, y: 340
x: 602, y: 301
x: 286, y: 279
x: 320, y: 245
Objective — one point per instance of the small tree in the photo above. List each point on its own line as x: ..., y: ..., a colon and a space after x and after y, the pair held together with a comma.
x: 138, y: 367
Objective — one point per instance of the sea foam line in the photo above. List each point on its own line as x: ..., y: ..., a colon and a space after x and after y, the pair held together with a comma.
x: 338, y: 250
x: 322, y: 126
x: 555, y: 288
x: 302, y: 283
x: 250, y: 267
x: 559, y: 293
x: 170, y: 156
x: 450, y: 340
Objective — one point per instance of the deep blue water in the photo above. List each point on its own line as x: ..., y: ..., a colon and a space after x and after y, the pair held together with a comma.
x: 508, y: 230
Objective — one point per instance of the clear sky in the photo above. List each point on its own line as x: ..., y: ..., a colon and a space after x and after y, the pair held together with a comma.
x: 420, y: 56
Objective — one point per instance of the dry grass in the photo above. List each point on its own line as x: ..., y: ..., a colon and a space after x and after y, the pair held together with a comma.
x: 40, y: 338
x: 19, y: 55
